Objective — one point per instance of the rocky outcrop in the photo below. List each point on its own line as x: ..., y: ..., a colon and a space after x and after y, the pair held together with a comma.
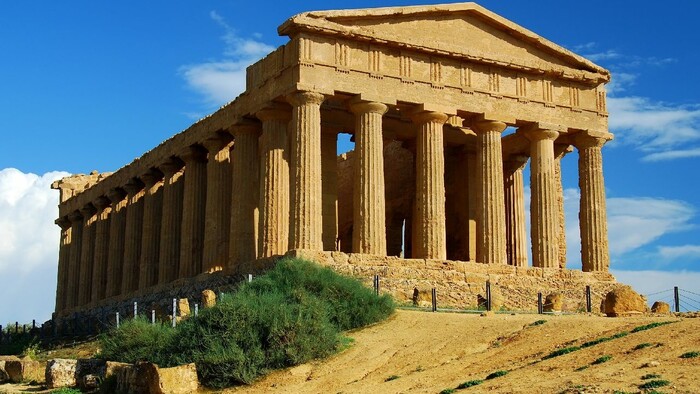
x: 624, y: 301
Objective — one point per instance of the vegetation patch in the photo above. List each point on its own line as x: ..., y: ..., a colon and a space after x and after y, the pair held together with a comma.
x: 652, y: 384
x: 470, y: 383
x: 642, y: 346
x: 537, y: 323
x: 496, y: 374
x: 392, y: 377
x: 66, y: 390
x: 602, y: 359
x: 583, y: 368
x: 447, y: 391
x: 561, y: 352
x: 651, y: 376
x: 292, y: 314
x: 692, y: 354
x: 651, y: 325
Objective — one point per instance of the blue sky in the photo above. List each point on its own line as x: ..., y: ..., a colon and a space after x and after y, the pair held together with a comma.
x: 88, y: 85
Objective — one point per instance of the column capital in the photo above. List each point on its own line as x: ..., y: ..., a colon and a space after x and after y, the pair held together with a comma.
x: 101, y: 203
x: 217, y: 142
x: 515, y: 162
x: 305, y: 97
x: 192, y: 153
x: 115, y: 195
x: 588, y: 139
x: 133, y: 186
x: 485, y: 126
x: 561, y: 150
x: 429, y: 117
x: 245, y: 127
x: 359, y: 106
x: 88, y: 210
x: 151, y: 177
x: 63, y: 222
x: 75, y: 216
x: 536, y: 134
x: 275, y: 111
x: 171, y: 166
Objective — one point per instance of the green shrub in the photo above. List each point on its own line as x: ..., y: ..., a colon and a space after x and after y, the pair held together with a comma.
x: 447, y: 391
x: 652, y: 384
x: 651, y: 325
x: 602, y: 359
x: 583, y: 368
x: 66, y: 390
x: 496, y: 374
x: 620, y: 335
x: 537, y: 323
x: 292, y: 314
x: 642, y: 346
x: 651, y: 376
x: 470, y: 383
x: 690, y: 354
x: 392, y: 377
x: 561, y: 352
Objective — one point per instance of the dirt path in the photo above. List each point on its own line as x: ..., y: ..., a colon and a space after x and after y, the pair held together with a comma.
x: 430, y: 352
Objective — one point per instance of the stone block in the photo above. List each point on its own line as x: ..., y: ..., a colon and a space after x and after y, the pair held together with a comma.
x: 19, y: 371
x: 176, y: 380
x: 183, y: 308
x: 60, y: 373
x: 553, y: 302
x: 624, y: 301
x: 88, y: 366
x: 660, y: 307
x: 208, y: 298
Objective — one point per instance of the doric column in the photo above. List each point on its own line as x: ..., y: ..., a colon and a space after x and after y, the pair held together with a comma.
x: 171, y: 224
x: 117, y: 232
x: 218, y: 205
x: 369, y: 213
x: 305, y: 168
x: 193, y: 211
x: 244, y: 199
x: 76, y: 226
x: 516, y: 232
x: 150, y: 236
x: 560, y: 150
x: 329, y: 163
x: 592, y: 214
x: 490, y: 200
x: 87, y: 254
x: 543, y: 200
x: 132, y: 235
x: 63, y: 263
x: 429, y: 230
x: 99, y: 274
x: 274, y: 181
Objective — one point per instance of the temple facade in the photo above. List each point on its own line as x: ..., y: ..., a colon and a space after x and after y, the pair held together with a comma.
x: 446, y: 105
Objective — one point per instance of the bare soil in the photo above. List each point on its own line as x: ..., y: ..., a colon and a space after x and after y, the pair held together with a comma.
x: 422, y: 352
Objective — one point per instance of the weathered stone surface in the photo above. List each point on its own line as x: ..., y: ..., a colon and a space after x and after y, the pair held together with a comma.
x: 208, y: 298
x: 88, y: 366
x: 90, y: 382
x: 660, y: 307
x: 183, y: 307
x: 553, y: 303
x: 148, y: 378
x: 25, y: 370
x: 624, y: 301
x: 60, y: 373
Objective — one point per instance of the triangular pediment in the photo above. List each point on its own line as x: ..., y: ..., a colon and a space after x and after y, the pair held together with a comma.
x: 462, y: 29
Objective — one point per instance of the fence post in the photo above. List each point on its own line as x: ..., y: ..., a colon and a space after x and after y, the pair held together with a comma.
x: 539, y: 303
x: 488, y: 295
x: 376, y: 284
x: 1, y: 333
x: 250, y: 278
x: 589, y: 308
x: 196, y: 310
x: 434, y: 297
x: 153, y: 316
x: 136, y: 309
x: 174, y: 312
x: 33, y: 325
x: 117, y: 319
x: 676, y: 299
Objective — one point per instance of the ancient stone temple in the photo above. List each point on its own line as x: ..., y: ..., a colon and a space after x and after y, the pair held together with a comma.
x: 446, y: 105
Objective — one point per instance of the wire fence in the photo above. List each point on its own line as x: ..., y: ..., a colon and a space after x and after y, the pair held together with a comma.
x: 680, y: 300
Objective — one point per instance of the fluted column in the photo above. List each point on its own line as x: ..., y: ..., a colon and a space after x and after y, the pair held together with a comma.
x: 305, y: 167
x: 369, y: 213
x: 150, y: 236
x: 490, y: 200
x: 560, y: 150
x: 76, y: 226
x: 117, y: 229
x: 63, y: 263
x: 274, y: 181
x: 543, y: 201
x: 218, y: 205
x: 99, y: 274
x: 87, y: 254
x: 193, y: 211
x: 171, y: 224
x: 592, y: 214
x: 516, y: 232
x: 244, y: 198
x: 132, y: 235
x: 429, y: 232
x: 329, y: 162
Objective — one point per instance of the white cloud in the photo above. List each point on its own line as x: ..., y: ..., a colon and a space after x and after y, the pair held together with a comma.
x: 222, y: 80
x: 658, y: 285
x: 607, y: 55
x: 671, y: 253
x: 28, y: 244
x: 673, y: 154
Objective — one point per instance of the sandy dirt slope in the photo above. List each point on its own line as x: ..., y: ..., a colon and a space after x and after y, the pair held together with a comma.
x: 430, y: 352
